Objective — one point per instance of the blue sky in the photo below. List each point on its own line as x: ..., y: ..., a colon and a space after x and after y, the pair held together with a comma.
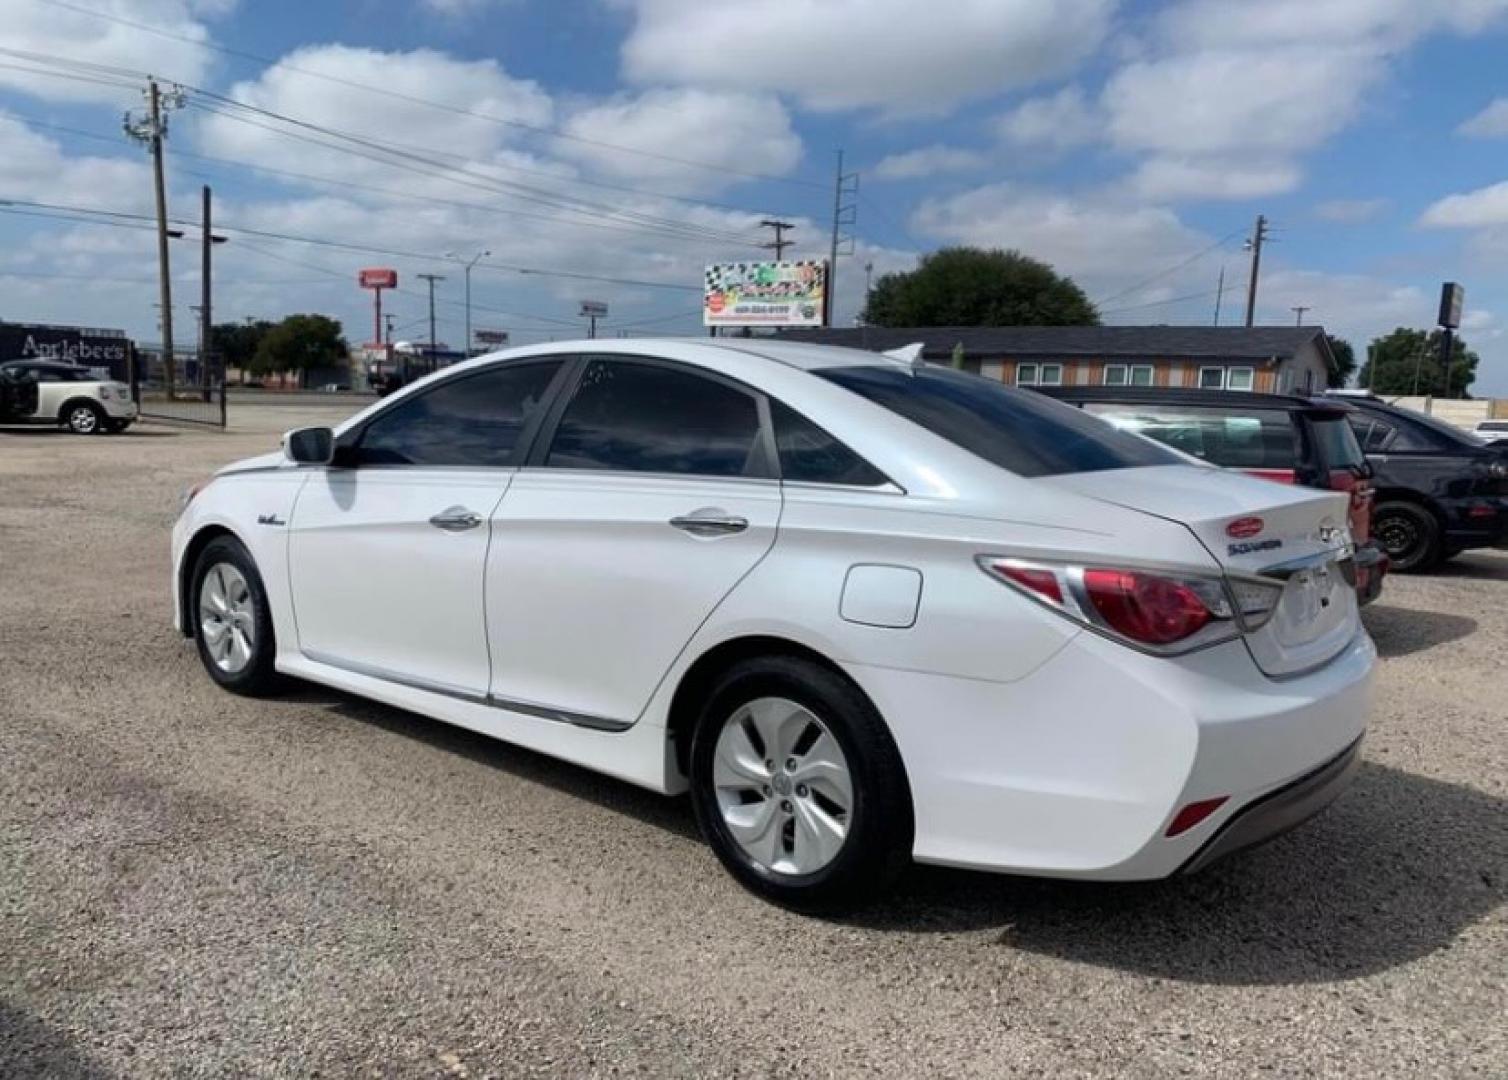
x: 1131, y: 145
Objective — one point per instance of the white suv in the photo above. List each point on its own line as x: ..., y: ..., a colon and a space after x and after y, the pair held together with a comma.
x: 49, y: 392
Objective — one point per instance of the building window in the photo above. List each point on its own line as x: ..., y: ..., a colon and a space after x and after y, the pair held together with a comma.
x: 1239, y: 378
x: 1039, y: 374
x: 1141, y: 375
x: 1026, y: 374
x: 1052, y: 374
x: 1212, y: 378
x: 1115, y: 374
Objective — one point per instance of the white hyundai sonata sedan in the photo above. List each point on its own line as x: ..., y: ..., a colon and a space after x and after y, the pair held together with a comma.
x: 865, y: 610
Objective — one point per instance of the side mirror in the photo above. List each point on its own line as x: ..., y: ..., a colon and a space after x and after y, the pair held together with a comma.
x: 310, y: 445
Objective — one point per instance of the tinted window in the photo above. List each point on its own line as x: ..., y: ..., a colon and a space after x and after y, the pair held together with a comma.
x: 469, y: 420
x: 1372, y: 434
x: 57, y: 373
x: 648, y: 418
x: 1251, y: 439
x: 1338, y: 447
x: 1018, y: 430
x: 809, y: 454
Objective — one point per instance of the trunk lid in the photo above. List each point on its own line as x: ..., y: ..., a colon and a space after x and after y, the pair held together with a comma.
x: 1293, y: 536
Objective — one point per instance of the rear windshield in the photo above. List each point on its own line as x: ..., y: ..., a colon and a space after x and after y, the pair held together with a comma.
x: 1018, y: 430
x: 1250, y: 439
x: 1338, y: 448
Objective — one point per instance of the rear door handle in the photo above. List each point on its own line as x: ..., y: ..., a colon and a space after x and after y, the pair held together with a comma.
x: 456, y: 519
x: 710, y: 522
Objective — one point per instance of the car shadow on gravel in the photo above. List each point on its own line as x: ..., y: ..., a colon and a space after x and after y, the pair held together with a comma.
x: 1396, y: 870
x: 30, y: 1047
x: 1399, y: 631
x: 672, y: 814
x: 1473, y: 564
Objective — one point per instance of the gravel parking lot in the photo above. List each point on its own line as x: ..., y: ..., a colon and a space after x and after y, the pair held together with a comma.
x: 195, y: 884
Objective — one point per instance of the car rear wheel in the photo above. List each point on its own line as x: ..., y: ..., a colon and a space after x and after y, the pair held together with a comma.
x: 231, y: 620
x: 798, y: 786
x: 1409, y: 534
x: 83, y: 418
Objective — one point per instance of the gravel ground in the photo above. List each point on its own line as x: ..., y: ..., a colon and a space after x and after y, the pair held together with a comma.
x: 195, y: 884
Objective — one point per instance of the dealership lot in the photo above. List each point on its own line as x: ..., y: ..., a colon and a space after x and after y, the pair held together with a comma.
x: 195, y: 883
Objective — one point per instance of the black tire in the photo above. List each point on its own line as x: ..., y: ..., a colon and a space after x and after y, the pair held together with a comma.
x: 877, y: 844
x: 83, y: 418
x: 257, y: 678
x: 1409, y: 534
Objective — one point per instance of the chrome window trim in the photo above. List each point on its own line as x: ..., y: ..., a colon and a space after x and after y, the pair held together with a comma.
x: 431, y: 686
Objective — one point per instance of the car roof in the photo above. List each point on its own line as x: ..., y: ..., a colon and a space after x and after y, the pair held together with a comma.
x: 1154, y: 395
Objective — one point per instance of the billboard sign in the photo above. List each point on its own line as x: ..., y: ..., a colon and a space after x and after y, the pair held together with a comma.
x: 593, y: 309
x: 1452, y: 297
x: 765, y: 293
x: 491, y: 337
x: 377, y: 278
x: 101, y: 350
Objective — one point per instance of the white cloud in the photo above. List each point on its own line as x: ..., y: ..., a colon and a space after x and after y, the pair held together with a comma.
x: 1209, y: 178
x: 460, y: 9
x: 58, y: 32
x: 1057, y: 121
x: 35, y: 168
x: 744, y: 132
x: 898, y: 55
x: 1490, y: 123
x: 925, y: 161
x: 1389, y: 24
x: 1102, y: 244
x: 1350, y: 211
x: 1483, y: 208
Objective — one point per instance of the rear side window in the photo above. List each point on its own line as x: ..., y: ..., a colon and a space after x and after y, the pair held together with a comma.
x: 638, y: 417
x: 1251, y: 439
x: 1021, y: 431
x: 1373, y: 435
x: 811, y: 455
x: 471, y: 420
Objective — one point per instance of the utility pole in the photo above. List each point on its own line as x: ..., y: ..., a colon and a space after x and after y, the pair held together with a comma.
x: 1447, y: 350
x: 479, y: 257
x: 1298, y: 313
x: 846, y: 186
x: 207, y: 241
x: 780, y: 243
x: 151, y: 131
x: 1254, y: 245
x: 433, y: 363
x: 388, y: 338
x: 1219, y: 294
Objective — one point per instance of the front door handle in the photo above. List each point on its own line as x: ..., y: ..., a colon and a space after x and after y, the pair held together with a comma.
x: 710, y: 522
x: 456, y: 519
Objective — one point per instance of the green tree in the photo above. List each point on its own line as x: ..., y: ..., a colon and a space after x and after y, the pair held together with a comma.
x: 965, y: 286
x: 1345, y: 360
x: 1395, y: 358
x: 237, y: 342
x: 301, y: 342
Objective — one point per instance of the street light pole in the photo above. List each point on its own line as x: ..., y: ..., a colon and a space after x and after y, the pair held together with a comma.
x: 478, y: 258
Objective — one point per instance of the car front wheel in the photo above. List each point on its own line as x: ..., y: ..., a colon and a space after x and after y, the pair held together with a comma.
x: 231, y: 620
x: 798, y: 785
x: 84, y: 419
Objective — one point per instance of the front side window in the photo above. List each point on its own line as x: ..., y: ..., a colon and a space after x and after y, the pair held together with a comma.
x: 1027, y: 434
x: 810, y: 455
x: 637, y: 417
x: 1258, y: 439
x: 471, y: 420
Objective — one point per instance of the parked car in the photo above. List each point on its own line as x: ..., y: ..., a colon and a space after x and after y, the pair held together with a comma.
x: 864, y: 609
x: 1275, y: 436
x: 1439, y: 491
x: 54, y: 393
x: 1490, y: 431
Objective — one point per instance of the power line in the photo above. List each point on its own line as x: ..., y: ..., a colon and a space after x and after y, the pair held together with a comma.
x: 1170, y: 270
x: 553, y: 133
x: 1175, y: 299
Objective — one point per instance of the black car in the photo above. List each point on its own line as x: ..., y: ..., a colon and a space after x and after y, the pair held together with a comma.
x: 1439, y: 491
x: 1275, y: 436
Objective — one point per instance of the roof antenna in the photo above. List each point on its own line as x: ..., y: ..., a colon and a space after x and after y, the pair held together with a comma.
x: 910, y: 355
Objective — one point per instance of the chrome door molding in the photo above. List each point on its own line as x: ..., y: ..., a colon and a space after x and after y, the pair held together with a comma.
x: 413, y: 682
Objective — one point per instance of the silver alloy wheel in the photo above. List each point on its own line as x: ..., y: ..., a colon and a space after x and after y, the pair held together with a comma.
x: 227, y: 617
x: 783, y: 786
x: 82, y: 420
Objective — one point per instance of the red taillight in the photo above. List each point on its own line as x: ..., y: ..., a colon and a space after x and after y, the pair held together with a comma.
x: 1042, y: 582
x: 1144, y: 607
x: 1194, y: 813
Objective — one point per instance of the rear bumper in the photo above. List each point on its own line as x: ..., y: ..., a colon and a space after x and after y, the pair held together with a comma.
x: 1276, y: 812
x: 1476, y: 522
x: 1372, y: 565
